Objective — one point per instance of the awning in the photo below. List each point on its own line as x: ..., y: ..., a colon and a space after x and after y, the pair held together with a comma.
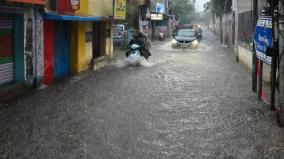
x: 52, y: 16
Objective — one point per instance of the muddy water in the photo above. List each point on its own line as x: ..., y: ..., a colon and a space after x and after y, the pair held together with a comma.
x: 179, y: 104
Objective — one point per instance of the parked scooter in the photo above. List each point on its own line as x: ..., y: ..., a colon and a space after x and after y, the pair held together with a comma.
x: 162, y: 35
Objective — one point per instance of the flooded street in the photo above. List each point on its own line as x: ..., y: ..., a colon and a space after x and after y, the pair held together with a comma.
x: 181, y: 104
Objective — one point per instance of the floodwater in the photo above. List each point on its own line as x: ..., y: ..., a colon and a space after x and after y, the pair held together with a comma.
x: 180, y: 104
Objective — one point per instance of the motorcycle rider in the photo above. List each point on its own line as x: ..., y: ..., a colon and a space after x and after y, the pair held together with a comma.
x: 142, y: 41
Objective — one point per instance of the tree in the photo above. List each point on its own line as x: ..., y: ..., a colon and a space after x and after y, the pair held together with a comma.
x: 183, y: 9
x: 218, y: 8
x: 208, y: 8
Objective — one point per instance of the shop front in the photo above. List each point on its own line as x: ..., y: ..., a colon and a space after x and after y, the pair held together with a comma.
x: 11, y: 49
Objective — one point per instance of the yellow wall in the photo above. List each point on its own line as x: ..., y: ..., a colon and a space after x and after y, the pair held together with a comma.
x: 109, y: 41
x: 84, y: 8
x: 81, y: 46
x: 95, y: 8
x: 101, y: 7
x: 81, y: 51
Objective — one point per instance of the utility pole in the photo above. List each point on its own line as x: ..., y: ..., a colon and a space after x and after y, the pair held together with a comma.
x: 236, y: 47
x: 281, y: 63
x: 275, y: 52
x: 254, y: 59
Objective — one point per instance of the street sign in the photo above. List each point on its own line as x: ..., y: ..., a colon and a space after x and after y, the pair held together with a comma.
x: 75, y: 4
x: 120, y: 9
x: 160, y: 8
x: 156, y: 16
x: 144, y: 27
x: 263, y: 38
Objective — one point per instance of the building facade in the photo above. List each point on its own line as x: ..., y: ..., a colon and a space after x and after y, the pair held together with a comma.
x: 246, y: 14
x: 161, y: 18
x: 243, y: 31
x: 75, y: 35
x: 21, y: 43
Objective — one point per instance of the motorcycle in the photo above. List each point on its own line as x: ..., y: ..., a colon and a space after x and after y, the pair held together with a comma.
x: 134, y: 54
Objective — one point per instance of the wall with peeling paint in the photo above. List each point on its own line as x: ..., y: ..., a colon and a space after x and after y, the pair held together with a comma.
x: 39, y: 47
x: 30, y: 45
x: 33, y: 35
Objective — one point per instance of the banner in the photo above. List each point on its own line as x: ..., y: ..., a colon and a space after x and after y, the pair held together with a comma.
x: 156, y: 16
x: 144, y: 27
x: 160, y: 8
x: 75, y: 4
x: 120, y: 9
x: 263, y: 38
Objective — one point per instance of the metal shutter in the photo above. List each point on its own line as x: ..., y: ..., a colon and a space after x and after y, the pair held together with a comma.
x: 62, y: 49
x: 6, y: 49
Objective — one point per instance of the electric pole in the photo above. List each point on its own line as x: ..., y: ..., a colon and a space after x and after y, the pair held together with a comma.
x: 254, y: 59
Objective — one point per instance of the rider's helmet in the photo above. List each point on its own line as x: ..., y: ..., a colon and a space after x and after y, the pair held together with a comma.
x: 140, y: 35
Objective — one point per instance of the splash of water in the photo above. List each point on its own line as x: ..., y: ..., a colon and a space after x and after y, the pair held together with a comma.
x: 120, y: 63
x: 139, y: 61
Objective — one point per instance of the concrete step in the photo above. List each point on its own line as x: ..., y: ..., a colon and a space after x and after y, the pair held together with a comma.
x: 13, y: 90
x: 100, y: 62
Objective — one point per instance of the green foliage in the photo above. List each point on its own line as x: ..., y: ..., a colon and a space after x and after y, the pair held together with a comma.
x: 202, y: 18
x: 184, y: 9
x: 218, y: 7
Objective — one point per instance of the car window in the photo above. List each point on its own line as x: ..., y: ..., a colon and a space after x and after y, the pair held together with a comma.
x: 118, y: 28
x: 188, y: 33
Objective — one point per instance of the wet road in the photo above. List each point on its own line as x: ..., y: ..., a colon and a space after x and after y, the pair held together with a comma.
x: 179, y: 105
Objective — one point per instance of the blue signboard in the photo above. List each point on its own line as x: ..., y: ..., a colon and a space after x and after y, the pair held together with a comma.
x: 160, y: 8
x: 263, y: 38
